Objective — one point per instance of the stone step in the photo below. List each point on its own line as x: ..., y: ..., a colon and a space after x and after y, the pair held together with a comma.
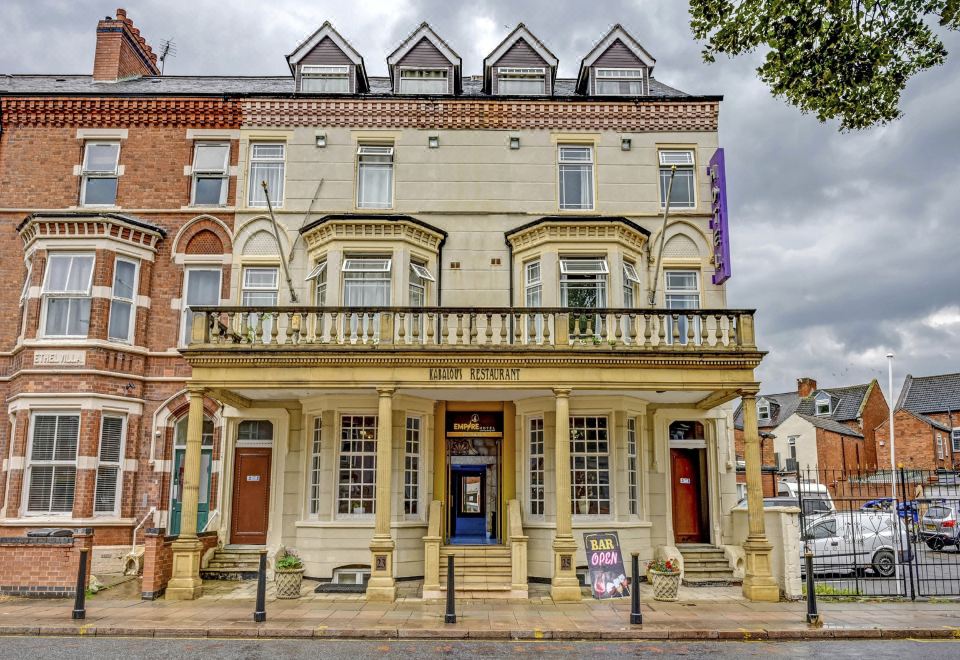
x: 718, y: 563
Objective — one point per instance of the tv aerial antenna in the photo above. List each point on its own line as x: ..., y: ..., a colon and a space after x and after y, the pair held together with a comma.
x: 167, y: 49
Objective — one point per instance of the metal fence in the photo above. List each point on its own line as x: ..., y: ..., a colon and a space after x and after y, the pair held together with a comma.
x: 880, y: 533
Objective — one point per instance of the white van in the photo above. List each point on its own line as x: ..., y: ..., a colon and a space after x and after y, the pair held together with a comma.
x: 816, y: 497
x: 854, y: 540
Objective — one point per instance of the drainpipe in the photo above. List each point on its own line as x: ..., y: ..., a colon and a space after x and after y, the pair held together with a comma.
x: 510, y: 301
x: 440, y: 271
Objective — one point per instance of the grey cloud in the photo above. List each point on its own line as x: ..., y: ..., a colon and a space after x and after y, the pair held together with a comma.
x: 845, y: 243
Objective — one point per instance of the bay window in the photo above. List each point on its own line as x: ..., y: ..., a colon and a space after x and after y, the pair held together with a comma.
x: 123, y: 300
x: 357, y: 473
x: 374, y: 177
x: 583, y: 285
x: 576, y: 177
x: 267, y: 164
x: 211, y: 169
x: 589, y: 465
x: 366, y: 281
x: 67, y: 289
x: 100, y: 173
x: 319, y: 277
x: 53, y: 463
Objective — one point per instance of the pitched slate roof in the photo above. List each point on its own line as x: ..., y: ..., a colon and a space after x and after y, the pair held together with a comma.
x: 930, y: 394
x: 252, y: 85
x: 828, y: 424
x: 845, y: 406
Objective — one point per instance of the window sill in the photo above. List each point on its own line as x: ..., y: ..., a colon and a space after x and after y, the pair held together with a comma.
x: 213, y: 207
x: 46, y: 519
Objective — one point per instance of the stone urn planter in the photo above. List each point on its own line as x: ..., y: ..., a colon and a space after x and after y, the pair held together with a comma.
x: 288, y: 575
x: 666, y: 584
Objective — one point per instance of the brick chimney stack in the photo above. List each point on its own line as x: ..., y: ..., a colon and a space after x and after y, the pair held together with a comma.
x: 806, y: 387
x: 121, y: 52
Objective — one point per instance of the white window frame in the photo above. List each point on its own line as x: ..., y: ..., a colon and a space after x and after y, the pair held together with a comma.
x: 88, y: 174
x: 565, y: 162
x: 533, y: 283
x: 940, y: 447
x: 186, y: 317
x: 673, y: 295
x: 316, y: 467
x: 633, y: 471
x: 536, y: 467
x: 319, y: 276
x: 823, y: 396
x: 85, y: 292
x: 763, y: 405
x: 222, y: 173
x: 24, y: 298
x: 413, y: 468
x: 590, y: 269
x: 618, y: 74
x: 352, y: 515
x: 424, y: 69
x: 116, y: 299
x: 631, y: 280
x: 375, y: 151
x: 522, y: 73
x: 53, y: 463
x: 111, y: 465
x: 247, y: 287
x: 340, y: 72
x: 955, y: 440
x: 421, y: 271
x: 255, y: 196
x: 685, y: 160
x: 586, y: 470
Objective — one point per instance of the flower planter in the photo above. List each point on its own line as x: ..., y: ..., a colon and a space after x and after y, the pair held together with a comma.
x: 288, y: 582
x: 665, y: 585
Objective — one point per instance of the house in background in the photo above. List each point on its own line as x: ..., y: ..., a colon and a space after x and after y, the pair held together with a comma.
x: 823, y: 429
x: 926, y: 424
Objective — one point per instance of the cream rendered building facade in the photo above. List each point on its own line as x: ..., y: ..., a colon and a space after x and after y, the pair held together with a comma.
x: 440, y: 339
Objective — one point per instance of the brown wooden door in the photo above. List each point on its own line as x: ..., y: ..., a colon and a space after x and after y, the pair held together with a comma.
x: 685, y: 472
x: 251, y: 496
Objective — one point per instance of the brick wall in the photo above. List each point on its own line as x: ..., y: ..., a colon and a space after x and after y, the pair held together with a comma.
x: 875, y: 411
x: 42, y: 567
x: 158, y: 560
x: 840, y: 452
x: 916, y: 442
x: 766, y: 447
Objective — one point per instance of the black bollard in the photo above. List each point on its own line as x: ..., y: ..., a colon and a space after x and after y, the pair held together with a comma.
x: 79, y: 600
x: 812, y: 616
x: 451, y: 614
x: 260, y: 614
x: 636, y: 617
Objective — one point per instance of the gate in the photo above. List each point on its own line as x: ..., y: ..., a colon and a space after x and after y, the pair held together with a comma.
x: 866, y: 542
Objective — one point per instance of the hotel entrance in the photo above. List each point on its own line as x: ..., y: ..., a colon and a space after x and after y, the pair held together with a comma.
x: 473, y: 446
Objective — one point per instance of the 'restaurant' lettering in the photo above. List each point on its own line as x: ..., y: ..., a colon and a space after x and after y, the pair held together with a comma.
x: 475, y: 374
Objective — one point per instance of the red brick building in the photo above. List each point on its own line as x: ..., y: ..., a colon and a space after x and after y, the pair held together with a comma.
x: 926, y: 424
x: 102, y: 217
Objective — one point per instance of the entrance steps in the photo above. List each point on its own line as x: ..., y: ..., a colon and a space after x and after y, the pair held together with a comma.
x: 479, y: 571
x: 705, y: 565
x: 232, y: 563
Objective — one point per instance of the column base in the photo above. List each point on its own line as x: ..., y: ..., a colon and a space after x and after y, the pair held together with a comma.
x: 381, y: 588
x: 565, y: 587
x: 758, y: 582
x: 185, y: 582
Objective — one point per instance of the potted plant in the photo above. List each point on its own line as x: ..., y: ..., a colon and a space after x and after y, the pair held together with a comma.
x: 665, y: 577
x: 289, y: 575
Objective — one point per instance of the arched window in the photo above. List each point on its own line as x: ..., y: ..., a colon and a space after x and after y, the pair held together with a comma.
x: 255, y: 431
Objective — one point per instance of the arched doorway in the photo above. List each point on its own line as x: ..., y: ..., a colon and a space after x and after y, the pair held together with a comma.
x: 176, y: 482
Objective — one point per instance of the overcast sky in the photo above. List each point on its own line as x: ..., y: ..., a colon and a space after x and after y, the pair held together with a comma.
x: 848, y: 245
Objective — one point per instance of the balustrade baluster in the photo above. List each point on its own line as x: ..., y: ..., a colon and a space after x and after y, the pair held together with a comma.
x: 589, y: 334
x: 735, y: 330
x: 319, y: 318
x: 675, y: 334
x: 415, y: 321
x: 459, y: 328
x: 576, y: 327
x: 691, y: 334
x: 401, y: 327
x: 662, y: 329
x: 545, y: 320
x: 503, y: 328
x: 473, y: 328
x: 289, y: 334
x: 519, y: 319
x: 274, y: 326
x: 244, y: 328
x: 618, y: 333
x: 717, y: 331
x: 430, y: 321
x: 371, y: 323
x: 647, y: 330
x: 444, y: 328
x: 488, y: 331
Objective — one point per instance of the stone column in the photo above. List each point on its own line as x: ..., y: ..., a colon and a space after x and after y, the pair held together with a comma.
x: 185, y: 583
x: 381, y: 586
x: 565, y: 586
x: 758, y: 582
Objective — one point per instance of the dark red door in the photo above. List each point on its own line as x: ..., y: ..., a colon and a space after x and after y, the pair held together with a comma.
x: 685, y: 471
x: 251, y: 496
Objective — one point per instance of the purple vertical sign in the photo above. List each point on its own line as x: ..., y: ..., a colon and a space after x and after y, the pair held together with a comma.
x: 720, y: 220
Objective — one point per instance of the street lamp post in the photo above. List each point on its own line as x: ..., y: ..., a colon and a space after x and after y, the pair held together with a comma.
x: 893, y: 454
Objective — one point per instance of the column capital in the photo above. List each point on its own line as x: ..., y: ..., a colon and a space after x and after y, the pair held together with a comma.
x: 749, y: 394
x: 196, y: 390
x: 562, y: 392
x: 386, y: 391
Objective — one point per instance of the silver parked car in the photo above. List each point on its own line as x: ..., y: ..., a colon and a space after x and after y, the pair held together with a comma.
x: 939, y: 527
x: 847, y: 541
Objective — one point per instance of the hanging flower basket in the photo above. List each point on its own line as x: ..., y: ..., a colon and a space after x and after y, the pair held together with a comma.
x: 288, y: 575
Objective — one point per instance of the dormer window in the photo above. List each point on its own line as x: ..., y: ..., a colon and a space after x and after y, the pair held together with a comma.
x: 619, y: 82
x: 763, y: 410
x: 823, y: 404
x: 423, y: 81
x: 325, y: 79
x: 521, y: 81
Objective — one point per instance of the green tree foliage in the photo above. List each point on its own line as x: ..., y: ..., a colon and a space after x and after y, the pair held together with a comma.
x: 839, y: 59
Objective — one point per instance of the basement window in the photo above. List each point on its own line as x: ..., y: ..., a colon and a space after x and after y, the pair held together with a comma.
x: 351, y: 575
